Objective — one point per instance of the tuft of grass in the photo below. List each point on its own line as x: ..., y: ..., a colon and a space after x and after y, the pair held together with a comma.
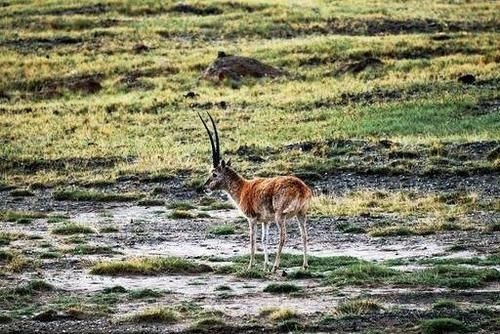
x: 21, y: 193
x: 24, y: 221
x: 151, y: 202
x: 442, y: 325
x: 181, y: 214
x: 50, y: 255
x: 154, y: 314
x: 361, y: 273
x: 181, y: 205
x: 16, y: 263
x: 7, y: 237
x: 351, y: 228
x: 149, y: 266
x: 356, y: 307
x: 14, y: 216
x: 223, y: 229
x: 493, y: 227
x: 389, y: 231
x: 72, y: 228
x: 451, y: 276
x: 91, y: 250
x: 33, y: 287
x: 278, y: 313
x: 109, y: 229
x: 57, y: 219
x: 207, y: 324
x: 144, y: 293
x: 446, y: 304
x: 214, y: 204
x: 276, y: 288
x: 83, y: 195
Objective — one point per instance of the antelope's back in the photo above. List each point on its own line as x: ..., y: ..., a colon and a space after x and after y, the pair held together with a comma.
x: 262, y: 198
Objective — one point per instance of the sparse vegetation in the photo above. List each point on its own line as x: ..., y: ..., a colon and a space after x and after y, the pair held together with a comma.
x: 72, y: 228
x: 154, y: 314
x: 355, y: 307
x: 181, y: 205
x: 442, y: 325
x: 17, y: 216
x: 149, y: 266
x: 224, y: 229
x: 181, y: 214
x: 282, y: 288
x: 207, y: 323
x: 83, y: 195
x: 446, y: 304
x: 151, y: 202
x: 278, y: 313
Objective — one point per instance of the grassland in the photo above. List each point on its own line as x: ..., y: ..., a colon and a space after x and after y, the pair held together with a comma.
x: 53, y: 130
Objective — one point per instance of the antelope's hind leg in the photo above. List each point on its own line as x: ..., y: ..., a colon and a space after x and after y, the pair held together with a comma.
x: 280, y: 221
x: 265, y: 243
x: 302, y: 218
x: 252, y: 229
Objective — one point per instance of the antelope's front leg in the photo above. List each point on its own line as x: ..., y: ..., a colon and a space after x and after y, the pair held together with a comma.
x: 252, y: 227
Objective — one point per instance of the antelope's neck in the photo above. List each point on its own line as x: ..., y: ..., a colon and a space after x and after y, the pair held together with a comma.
x: 235, y: 188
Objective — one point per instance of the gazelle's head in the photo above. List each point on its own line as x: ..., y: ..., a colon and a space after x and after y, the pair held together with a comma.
x: 221, y: 173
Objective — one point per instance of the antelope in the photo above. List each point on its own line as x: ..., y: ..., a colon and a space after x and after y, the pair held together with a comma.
x: 261, y: 200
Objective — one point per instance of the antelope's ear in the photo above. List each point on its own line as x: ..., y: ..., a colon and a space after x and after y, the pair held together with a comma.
x: 228, y: 163
x: 222, y: 163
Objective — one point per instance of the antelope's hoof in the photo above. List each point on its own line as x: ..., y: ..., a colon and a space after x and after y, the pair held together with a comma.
x: 275, y: 268
x: 305, y: 267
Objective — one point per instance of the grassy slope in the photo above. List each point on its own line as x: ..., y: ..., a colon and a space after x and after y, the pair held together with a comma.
x: 153, y: 129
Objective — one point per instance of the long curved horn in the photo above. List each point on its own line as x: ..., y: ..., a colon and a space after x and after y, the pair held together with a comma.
x: 217, y: 144
x: 215, y: 157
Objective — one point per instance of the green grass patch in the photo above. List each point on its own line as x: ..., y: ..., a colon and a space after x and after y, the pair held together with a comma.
x: 207, y: 324
x: 149, y: 266
x: 181, y: 205
x: 33, y: 286
x: 181, y: 214
x: 354, y: 307
x: 153, y: 315
x: 83, y: 195
x: 451, y: 276
x: 91, y: 250
x: 24, y: 221
x: 21, y: 193
x: 442, y: 325
x: 278, y: 313
x: 445, y: 304
x: 351, y: 228
x: 15, y: 216
x: 109, y: 229
x: 282, y: 288
x: 50, y: 255
x: 223, y: 229
x: 361, y: 274
x: 145, y: 293
x: 72, y: 228
x: 151, y: 202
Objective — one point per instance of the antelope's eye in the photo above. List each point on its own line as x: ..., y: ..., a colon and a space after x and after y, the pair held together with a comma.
x: 214, y: 174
